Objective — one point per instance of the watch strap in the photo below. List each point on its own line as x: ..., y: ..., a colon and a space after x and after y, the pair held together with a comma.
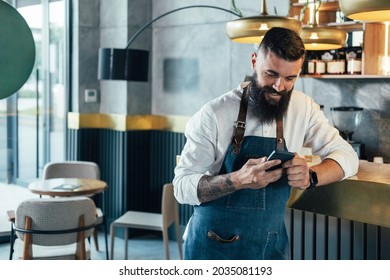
x: 313, y: 179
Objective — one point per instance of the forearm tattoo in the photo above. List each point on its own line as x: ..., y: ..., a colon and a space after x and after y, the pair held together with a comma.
x: 214, y: 187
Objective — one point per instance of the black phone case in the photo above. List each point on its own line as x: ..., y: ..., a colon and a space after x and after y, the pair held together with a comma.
x: 282, y: 155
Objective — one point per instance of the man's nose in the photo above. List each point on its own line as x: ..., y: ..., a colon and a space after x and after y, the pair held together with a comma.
x: 278, y: 84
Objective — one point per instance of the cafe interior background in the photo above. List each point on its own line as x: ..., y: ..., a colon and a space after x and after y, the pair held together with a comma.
x: 134, y: 129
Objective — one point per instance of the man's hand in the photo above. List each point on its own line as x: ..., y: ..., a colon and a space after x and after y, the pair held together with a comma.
x: 297, y: 172
x: 253, y: 174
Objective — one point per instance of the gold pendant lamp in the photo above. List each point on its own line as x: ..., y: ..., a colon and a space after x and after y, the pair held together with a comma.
x: 366, y: 10
x: 318, y: 38
x: 251, y: 30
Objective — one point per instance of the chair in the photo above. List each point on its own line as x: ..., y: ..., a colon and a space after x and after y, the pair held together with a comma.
x: 152, y: 221
x: 78, y: 169
x: 48, y: 228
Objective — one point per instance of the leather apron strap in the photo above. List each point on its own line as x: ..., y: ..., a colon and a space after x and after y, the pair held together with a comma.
x: 279, y: 135
x: 240, y: 125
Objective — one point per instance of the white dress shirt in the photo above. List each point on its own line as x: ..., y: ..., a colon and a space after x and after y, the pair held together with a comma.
x: 209, y: 133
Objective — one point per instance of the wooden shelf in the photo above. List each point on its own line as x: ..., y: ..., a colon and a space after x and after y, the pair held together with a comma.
x: 326, y: 5
x: 374, y: 36
x: 348, y: 26
x: 327, y: 11
x: 345, y: 76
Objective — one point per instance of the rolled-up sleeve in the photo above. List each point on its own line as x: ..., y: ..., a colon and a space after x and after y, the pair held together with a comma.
x: 197, y: 156
x: 325, y: 141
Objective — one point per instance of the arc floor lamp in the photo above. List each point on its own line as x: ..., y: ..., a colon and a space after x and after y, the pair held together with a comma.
x: 132, y: 65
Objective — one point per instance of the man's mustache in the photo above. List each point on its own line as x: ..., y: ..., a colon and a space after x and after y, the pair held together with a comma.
x: 268, y: 89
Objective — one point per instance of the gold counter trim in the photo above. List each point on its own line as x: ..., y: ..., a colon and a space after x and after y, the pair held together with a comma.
x: 364, y: 197
x: 127, y: 122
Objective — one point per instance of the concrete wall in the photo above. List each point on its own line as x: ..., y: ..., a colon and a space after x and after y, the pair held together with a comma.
x: 85, y: 42
x: 371, y: 94
x: 108, y: 24
x: 193, y: 61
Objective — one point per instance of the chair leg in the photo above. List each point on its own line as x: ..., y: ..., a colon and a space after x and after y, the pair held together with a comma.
x: 12, y: 242
x: 126, y: 237
x: 105, y: 237
x: 27, y: 244
x: 112, y: 234
x: 103, y: 203
x: 95, y: 238
x: 166, y: 243
x: 179, y: 240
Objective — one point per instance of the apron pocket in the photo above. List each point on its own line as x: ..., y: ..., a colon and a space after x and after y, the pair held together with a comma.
x: 213, y: 236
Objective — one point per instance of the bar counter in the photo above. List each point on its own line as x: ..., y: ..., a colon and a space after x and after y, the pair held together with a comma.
x: 364, y: 197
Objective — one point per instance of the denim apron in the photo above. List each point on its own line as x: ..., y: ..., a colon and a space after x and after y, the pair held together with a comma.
x: 247, y: 224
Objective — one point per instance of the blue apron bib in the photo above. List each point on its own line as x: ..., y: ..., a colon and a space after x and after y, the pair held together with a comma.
x: 247, y: 224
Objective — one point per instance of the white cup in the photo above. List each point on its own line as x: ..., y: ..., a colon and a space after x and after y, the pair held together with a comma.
x: 378, y: 159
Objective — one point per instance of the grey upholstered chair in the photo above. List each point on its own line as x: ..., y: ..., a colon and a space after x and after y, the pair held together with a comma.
x: 52, y: 228
x: 78, y: 169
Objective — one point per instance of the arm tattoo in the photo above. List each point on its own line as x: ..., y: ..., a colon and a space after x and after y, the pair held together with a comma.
x: 214, y: 187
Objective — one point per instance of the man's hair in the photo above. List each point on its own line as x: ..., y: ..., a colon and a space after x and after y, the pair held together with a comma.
x: 283, y: 42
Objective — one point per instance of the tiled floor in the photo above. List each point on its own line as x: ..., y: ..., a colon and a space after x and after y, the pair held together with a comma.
x: 148, y: 247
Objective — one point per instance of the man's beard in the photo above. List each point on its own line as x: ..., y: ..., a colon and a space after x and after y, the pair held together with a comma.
x: 261, y: 108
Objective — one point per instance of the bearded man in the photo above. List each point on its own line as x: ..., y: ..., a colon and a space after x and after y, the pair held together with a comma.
x: 223, y: 171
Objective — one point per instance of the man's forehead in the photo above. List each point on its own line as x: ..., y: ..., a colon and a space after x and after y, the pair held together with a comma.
x: 272, y: 62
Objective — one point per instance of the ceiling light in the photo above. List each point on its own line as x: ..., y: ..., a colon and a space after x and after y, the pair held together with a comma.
x: 251, y: 30
x: 322, y: 38
x: 366, y: 10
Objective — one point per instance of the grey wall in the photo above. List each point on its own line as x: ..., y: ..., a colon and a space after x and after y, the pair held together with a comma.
x: 193, y: 61
x: 107, y: 24
x: 118, y: 22
x: 371, y: 94
x: 209, y: 64
x: 85, y: 38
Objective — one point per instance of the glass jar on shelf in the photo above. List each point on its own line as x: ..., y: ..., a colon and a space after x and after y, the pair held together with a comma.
x: 336, y: 66
x: 354, y: 60
x: 320, y: 67
x: 354, y: 66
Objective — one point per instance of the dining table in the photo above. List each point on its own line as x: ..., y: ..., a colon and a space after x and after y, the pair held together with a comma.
x: 68, y: 187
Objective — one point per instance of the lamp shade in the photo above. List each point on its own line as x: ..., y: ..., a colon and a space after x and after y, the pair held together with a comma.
x: 366, y: 10
x: 17, y: 50
x: 132, y: 65
x: 323, y: 38
x: 251, y: 30
x: 123, y: 64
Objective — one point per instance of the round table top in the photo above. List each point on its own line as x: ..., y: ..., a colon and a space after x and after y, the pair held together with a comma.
x: 67, y: 187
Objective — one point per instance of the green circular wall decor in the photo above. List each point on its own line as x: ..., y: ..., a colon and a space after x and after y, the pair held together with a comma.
x: 17, y: 50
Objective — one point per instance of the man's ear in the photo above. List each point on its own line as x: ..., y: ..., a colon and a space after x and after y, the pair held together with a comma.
x: 253, y: 60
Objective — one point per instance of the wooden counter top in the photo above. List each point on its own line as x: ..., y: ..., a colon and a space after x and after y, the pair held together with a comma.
x: 364, y: 197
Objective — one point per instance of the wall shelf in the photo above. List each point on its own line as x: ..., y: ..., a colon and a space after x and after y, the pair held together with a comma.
x: 375, y: 43
x: 325, y: 76
x: 347, y: 26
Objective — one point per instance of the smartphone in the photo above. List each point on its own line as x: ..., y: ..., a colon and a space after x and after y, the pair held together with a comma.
x: 282, y: 155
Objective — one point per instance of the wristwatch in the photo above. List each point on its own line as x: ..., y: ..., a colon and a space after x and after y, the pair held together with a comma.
x: 313, y: 179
